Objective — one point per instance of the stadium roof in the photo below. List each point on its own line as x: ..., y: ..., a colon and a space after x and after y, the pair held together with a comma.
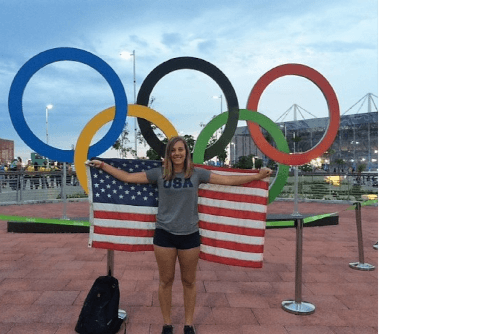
x: 314, y: 123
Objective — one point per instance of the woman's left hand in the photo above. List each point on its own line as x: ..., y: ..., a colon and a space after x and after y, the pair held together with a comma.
x: 264, y: 172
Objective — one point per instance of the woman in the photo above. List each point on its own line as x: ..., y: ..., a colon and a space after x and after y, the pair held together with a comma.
x: 176, y: 234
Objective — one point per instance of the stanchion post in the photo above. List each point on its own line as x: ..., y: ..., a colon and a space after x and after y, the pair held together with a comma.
x: 110, y: 269
x: 361, y: 265
x: 63, y: 192
x: 122, y: 314
x: 297, y: 306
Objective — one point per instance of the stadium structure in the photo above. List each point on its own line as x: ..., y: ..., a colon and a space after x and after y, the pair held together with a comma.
x: 6, y: 151
x: 356, y: 142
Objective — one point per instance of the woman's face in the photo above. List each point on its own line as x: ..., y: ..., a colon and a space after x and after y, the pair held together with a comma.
x: 178, y: 154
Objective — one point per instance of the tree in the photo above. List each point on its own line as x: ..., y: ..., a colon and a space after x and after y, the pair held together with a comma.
x: 244, y: 162
x: 272, y: 164
x: 340, y: 162
x: 121, y: 143
x: 306, y: 168
x: 259, y: 163
x: 190, y: 142
x: 222, y: 156
x: 329, y: 154
x: 247, y: 162
x: 361, y: 168
x: 153, y: 155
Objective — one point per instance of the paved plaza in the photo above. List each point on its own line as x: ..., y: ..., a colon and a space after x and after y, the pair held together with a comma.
x: 44, y: 279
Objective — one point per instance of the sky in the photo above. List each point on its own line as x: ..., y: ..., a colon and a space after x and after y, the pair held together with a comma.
x: 244, y: 39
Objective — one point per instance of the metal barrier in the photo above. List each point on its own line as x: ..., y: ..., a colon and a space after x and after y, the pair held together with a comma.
x: 314, y: 186
x: 20, y: 187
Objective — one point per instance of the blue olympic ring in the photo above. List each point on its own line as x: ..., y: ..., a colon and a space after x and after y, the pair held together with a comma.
x: 54, y: 55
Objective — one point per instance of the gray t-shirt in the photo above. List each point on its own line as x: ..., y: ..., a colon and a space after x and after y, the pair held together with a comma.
x: 178, y: 200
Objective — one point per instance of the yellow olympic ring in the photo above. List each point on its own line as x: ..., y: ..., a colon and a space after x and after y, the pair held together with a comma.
x: 105, y: 116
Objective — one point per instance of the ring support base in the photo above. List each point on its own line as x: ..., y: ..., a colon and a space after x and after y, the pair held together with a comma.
x: 361, y: 266
x: 122, y: 314
x: 294, y: 307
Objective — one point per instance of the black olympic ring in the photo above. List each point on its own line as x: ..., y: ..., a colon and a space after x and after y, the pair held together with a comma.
x: 198, y: 65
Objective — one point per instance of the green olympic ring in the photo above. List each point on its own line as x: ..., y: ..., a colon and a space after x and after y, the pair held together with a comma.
x: 247, y: 115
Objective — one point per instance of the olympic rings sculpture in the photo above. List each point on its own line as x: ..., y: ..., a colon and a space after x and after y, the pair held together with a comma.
x: 147, y: 116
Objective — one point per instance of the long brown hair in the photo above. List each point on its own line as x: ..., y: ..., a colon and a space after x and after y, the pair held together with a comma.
x: 168, y: 168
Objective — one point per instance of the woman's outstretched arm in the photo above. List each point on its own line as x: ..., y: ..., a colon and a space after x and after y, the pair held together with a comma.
x: 236, y: 180
x: 139, y: 177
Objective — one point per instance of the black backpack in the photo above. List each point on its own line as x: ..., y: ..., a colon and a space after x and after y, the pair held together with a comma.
x: 99, y: 313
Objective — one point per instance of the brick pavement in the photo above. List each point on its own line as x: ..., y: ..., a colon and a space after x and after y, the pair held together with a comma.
x: 44, y: 279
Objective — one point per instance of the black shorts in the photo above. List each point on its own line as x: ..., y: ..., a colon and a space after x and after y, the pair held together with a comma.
x: 163, y: 238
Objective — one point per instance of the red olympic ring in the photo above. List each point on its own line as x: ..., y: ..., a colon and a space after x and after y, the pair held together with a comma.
x: 294, y: 159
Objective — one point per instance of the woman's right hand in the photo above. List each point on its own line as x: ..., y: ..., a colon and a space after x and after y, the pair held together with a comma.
x: 95, y: 163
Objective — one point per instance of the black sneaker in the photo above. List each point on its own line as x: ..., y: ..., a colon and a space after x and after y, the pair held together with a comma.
x: 189, y: 330
x: 167, y: 329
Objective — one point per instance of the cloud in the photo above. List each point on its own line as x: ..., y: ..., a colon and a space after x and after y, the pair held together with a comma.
x: 207, y: 46
x: 139, y: 41
x: 172, y: 40
x: 341, y: 46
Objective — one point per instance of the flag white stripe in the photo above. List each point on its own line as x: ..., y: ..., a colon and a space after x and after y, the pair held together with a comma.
x: 240, y: 206
x: 114, y: 239
x: 240, y: 222
x: 131, y: 224
x: 232, y: 254
x: 223, y: 236
x: 147, y: 210
x: 235, y: 190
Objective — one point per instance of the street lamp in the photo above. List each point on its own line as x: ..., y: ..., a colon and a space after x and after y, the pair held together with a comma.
x: 219, y: 97
x: 127, y: 55
x: 47, y: 108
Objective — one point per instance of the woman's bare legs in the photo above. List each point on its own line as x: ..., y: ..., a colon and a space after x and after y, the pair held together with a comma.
x: 188, y: 260
x: 166, y: 258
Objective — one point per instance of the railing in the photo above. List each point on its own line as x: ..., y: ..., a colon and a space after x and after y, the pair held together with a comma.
x: 22, y: 186
x: 350, y: 188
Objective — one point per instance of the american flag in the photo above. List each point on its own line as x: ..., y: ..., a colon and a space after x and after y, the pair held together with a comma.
x: 232, y: 218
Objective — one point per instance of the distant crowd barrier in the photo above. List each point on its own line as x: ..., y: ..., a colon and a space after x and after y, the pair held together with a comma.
x: 23, y: 186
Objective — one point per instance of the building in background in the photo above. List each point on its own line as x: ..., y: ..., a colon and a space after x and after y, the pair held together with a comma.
x: 6, y: 151
x: 356, y: 142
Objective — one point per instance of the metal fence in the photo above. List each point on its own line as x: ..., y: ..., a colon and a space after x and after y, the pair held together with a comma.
x: 24, y: 187
x: 351, y: 187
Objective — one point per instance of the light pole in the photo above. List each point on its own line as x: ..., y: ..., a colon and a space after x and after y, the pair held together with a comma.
x: 47, y: 108
x: 219, y: 97
x: 127, y: 55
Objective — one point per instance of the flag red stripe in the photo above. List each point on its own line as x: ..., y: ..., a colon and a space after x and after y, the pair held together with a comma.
x: 236, y: 213
x: 122, y: 247
x: 232, y: 245
x: 251, y: 232
x: 242, y: 198
x: 141, y: 217
x: 123, y: 232
x: 256, y: 184
x: 230, y: 261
